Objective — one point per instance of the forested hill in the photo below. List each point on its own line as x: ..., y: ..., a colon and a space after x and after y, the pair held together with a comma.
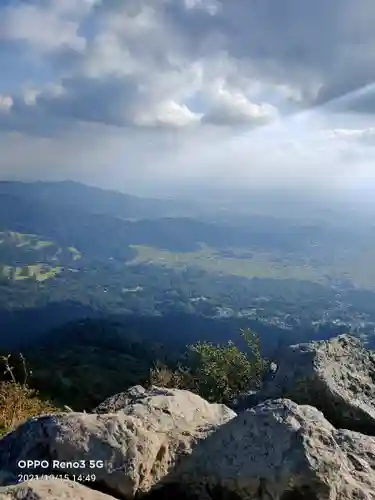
x: 85, y: 361
x: 69, y: 226
x: 92, y: 199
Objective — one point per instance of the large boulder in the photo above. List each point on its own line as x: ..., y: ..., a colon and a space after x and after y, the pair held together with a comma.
x: 336, y: 376
x: 164, y: 409
x: 276, y: 451
x: 51, y: 489
x: 128, y: 450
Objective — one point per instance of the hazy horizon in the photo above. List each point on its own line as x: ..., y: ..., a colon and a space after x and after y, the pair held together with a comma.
x: 228, y: 204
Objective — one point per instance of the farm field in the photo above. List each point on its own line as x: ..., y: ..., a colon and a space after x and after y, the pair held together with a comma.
x: 252, y: 264
x: 27, y: 256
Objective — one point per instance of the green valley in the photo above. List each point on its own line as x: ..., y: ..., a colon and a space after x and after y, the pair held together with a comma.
x: 63, y: 261
x: 28, y: 256
x: 252, y: 263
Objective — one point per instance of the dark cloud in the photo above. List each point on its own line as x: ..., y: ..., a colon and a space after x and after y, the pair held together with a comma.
x: 357, y: 96
x: 327, y: 45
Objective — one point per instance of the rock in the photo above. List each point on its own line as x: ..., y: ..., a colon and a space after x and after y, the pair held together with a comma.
x: 121, y: 400
x: 134, y: 447
x: 52, y: 489
x: 336, y: 376
x: 276, y: 451
x: 270, y: 373
x: 244, y: 401
x: 166, y: 407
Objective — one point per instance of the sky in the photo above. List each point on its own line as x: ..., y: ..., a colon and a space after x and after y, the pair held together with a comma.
x: 155, y: 96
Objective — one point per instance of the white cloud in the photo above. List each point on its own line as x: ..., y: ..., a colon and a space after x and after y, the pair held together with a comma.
x: 6, y: 103
x: 212, y: 7
x: 351, y: 133
x: 231, y: 107
x: 168, y: 113
x: 44, y: 27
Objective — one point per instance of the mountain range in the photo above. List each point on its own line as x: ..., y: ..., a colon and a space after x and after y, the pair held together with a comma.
x: 80, y: 266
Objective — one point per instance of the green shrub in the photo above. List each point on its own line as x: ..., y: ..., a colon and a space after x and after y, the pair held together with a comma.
x: 217, y: 372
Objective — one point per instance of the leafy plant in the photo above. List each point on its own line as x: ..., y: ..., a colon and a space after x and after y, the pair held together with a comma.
x: 222, y: 371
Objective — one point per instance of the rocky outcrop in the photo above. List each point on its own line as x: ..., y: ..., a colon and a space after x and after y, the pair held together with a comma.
x: 276, y: 451
x: 161, y: 409
x: 300, y: 443
x: 128, y: 450
x: 335, y: 376
x: 52, y: 489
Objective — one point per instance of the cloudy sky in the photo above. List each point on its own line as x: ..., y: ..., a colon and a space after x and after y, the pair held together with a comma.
x: 152, y: 94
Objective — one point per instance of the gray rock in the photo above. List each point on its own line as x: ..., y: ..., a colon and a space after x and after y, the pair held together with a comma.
x: 245, y: 401
x: 52, y: 489
x: 336, y: 376
x: 276, y: 451
x: 137, y: 445
x: 121, y: 400
x: 160, y: 408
